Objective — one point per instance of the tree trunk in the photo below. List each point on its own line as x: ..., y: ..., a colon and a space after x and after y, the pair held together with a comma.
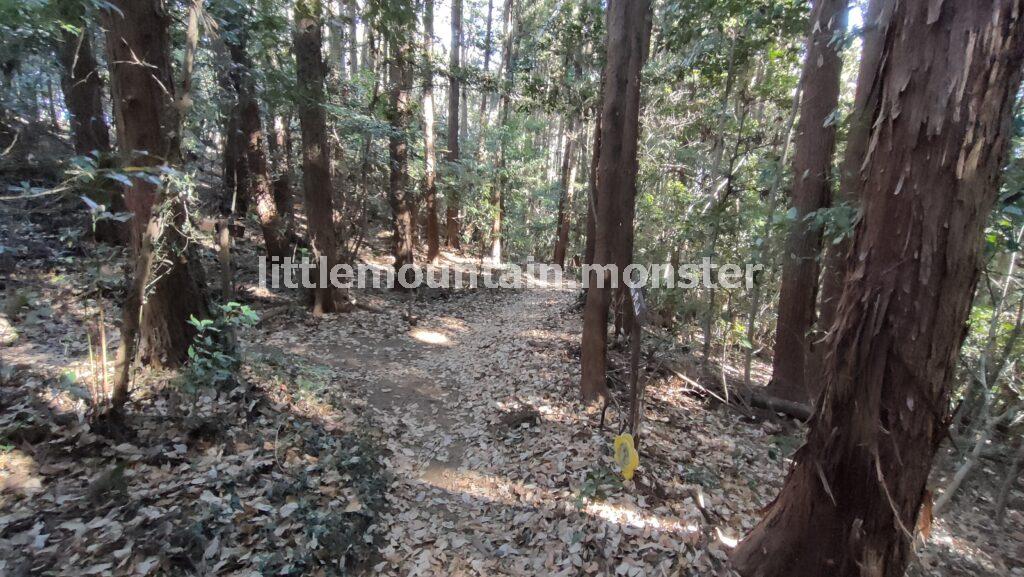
x: 865, y: 109
x: 484, y: 91
x: 353, y: 51
x: 316, y: 174
x: 566, y: 180
x: 399, y: 195
x: 946, y: 79
x: 165, y: 291
x: 258, y: 189
x: 453, y: 205
x: 429, y: 154
x: 764, y: 252
x: 336, y: 41
x: 629, y: 28
x: 812, y: 165
x: 595, y: 157
x: 235, y: 177
x: 498, y: 190
x: 1009, y: 480
x: 82, y: 86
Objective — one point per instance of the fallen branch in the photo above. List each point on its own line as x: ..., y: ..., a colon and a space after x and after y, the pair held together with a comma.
x: 789, y: 408
x: 753, y: 398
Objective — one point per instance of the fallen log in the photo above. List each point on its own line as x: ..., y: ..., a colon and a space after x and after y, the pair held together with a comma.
x: 789, y: 408
x: 752, y: 398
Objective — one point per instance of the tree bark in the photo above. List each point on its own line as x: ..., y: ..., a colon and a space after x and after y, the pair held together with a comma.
x: 316, y: 174
x: 566, y: 181
x: 812, y: 165
x: 281, y: 154
x: 258, y: 189
x: 595, y: 157
x: 400, y: 72
x: 165, y: 291
x: 946, y: 80
x: 454, y: 91
x: 498, y: 190
x: 865, y: 107
x: 429, y: 153
x: 353, y: 49
x: 629, y: 28
x: 82, y: 85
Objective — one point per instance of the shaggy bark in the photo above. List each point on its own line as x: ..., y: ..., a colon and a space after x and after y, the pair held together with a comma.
x: 946, y: 79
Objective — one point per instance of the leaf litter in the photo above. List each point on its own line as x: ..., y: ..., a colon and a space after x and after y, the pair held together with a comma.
x: 444, y: 442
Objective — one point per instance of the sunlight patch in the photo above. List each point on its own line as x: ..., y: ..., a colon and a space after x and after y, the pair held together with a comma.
x: 430, y: 337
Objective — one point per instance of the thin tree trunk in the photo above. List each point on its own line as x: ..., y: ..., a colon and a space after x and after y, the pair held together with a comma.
x: 1009, y: 480
x: 566, y: 181
x: 399, y: 195
x: 509, y: 27
x: 195, y: 8
x: 629, y: 28
x: 429, y: 154
x: 353, y: 49
x: 281, y: 153
x: 454, y: 93
x: 865, y: 106
x: 947, y: 78
x: 812, y: 165
x: 484, y: 91
x: 588, y: 251
x: 316, y: 181
x: 764, y: 251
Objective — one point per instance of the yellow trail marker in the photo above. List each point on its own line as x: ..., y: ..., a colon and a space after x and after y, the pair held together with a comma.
x: 625, y: 455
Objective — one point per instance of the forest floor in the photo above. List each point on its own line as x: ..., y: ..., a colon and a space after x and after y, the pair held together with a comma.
x: 430, y: 435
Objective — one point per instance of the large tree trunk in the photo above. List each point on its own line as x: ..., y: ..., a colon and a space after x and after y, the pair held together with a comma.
x: 316, y: 173
x: 399, y: 195
x: 629, y: 28
x: 166, y: 289
x: 429, y: 154
x: 812, y: 165
x: 454, y: 91
x: 258, y: 188
x: 946, y: 79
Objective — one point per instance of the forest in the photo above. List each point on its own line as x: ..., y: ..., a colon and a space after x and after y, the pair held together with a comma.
x: 497, y: 287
